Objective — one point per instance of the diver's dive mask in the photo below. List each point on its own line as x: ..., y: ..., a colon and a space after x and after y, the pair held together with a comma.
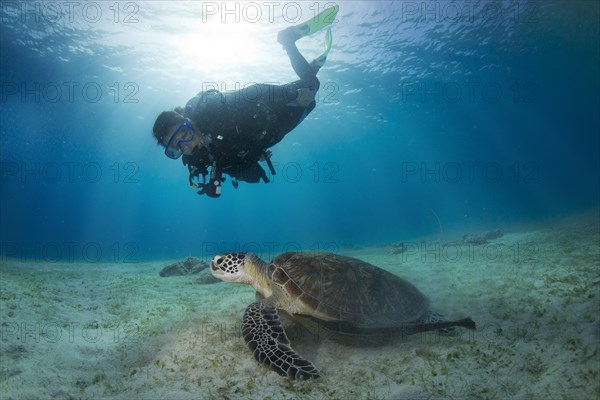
x: 179, y: 140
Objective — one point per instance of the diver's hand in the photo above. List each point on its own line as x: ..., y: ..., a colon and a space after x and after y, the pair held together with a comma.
x: 266, y: 154
x: 211, y: 189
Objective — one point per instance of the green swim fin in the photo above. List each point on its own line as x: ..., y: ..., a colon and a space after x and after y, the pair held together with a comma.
x: 320, y: 61
x: 318, y: 22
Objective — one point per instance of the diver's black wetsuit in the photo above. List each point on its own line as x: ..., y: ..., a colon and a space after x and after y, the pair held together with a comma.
x: 238, y: 126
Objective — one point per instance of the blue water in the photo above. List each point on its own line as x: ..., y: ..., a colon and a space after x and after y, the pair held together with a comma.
x: 436, y: 115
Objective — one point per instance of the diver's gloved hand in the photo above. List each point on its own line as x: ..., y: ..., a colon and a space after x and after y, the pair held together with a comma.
x: 211, y: 189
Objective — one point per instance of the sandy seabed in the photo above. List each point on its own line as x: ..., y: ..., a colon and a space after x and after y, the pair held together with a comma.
x: 119, y: 331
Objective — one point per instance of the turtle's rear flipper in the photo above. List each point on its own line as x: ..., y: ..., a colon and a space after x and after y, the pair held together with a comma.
x: 264, y: 335
x: 446, y: 327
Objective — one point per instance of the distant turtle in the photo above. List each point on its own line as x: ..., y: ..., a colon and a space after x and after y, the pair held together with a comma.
x: 341, y: 294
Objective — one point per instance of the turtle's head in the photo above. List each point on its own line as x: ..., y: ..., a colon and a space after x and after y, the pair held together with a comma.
x: 233, y: 267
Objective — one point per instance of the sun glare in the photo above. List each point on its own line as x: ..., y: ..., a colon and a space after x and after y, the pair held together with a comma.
x: 220, y: 47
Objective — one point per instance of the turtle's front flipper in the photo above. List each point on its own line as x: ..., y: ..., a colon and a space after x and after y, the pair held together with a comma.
x: 264, y: 335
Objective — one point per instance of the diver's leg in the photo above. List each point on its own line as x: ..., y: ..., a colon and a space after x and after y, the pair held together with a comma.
x: 290, y: 35
x: 303, y: 69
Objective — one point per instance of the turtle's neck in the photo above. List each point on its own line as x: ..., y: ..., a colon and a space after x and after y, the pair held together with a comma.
x: 258, y: 271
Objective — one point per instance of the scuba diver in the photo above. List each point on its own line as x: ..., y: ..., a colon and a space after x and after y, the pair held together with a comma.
x: 229, y: 132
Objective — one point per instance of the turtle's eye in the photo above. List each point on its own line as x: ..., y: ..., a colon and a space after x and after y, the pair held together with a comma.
x: 216, y: 263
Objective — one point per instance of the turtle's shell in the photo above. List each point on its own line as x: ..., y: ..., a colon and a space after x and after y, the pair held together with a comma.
x: 333, y: 287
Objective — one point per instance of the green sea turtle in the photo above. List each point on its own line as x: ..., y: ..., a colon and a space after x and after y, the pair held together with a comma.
x: 341, y: 294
